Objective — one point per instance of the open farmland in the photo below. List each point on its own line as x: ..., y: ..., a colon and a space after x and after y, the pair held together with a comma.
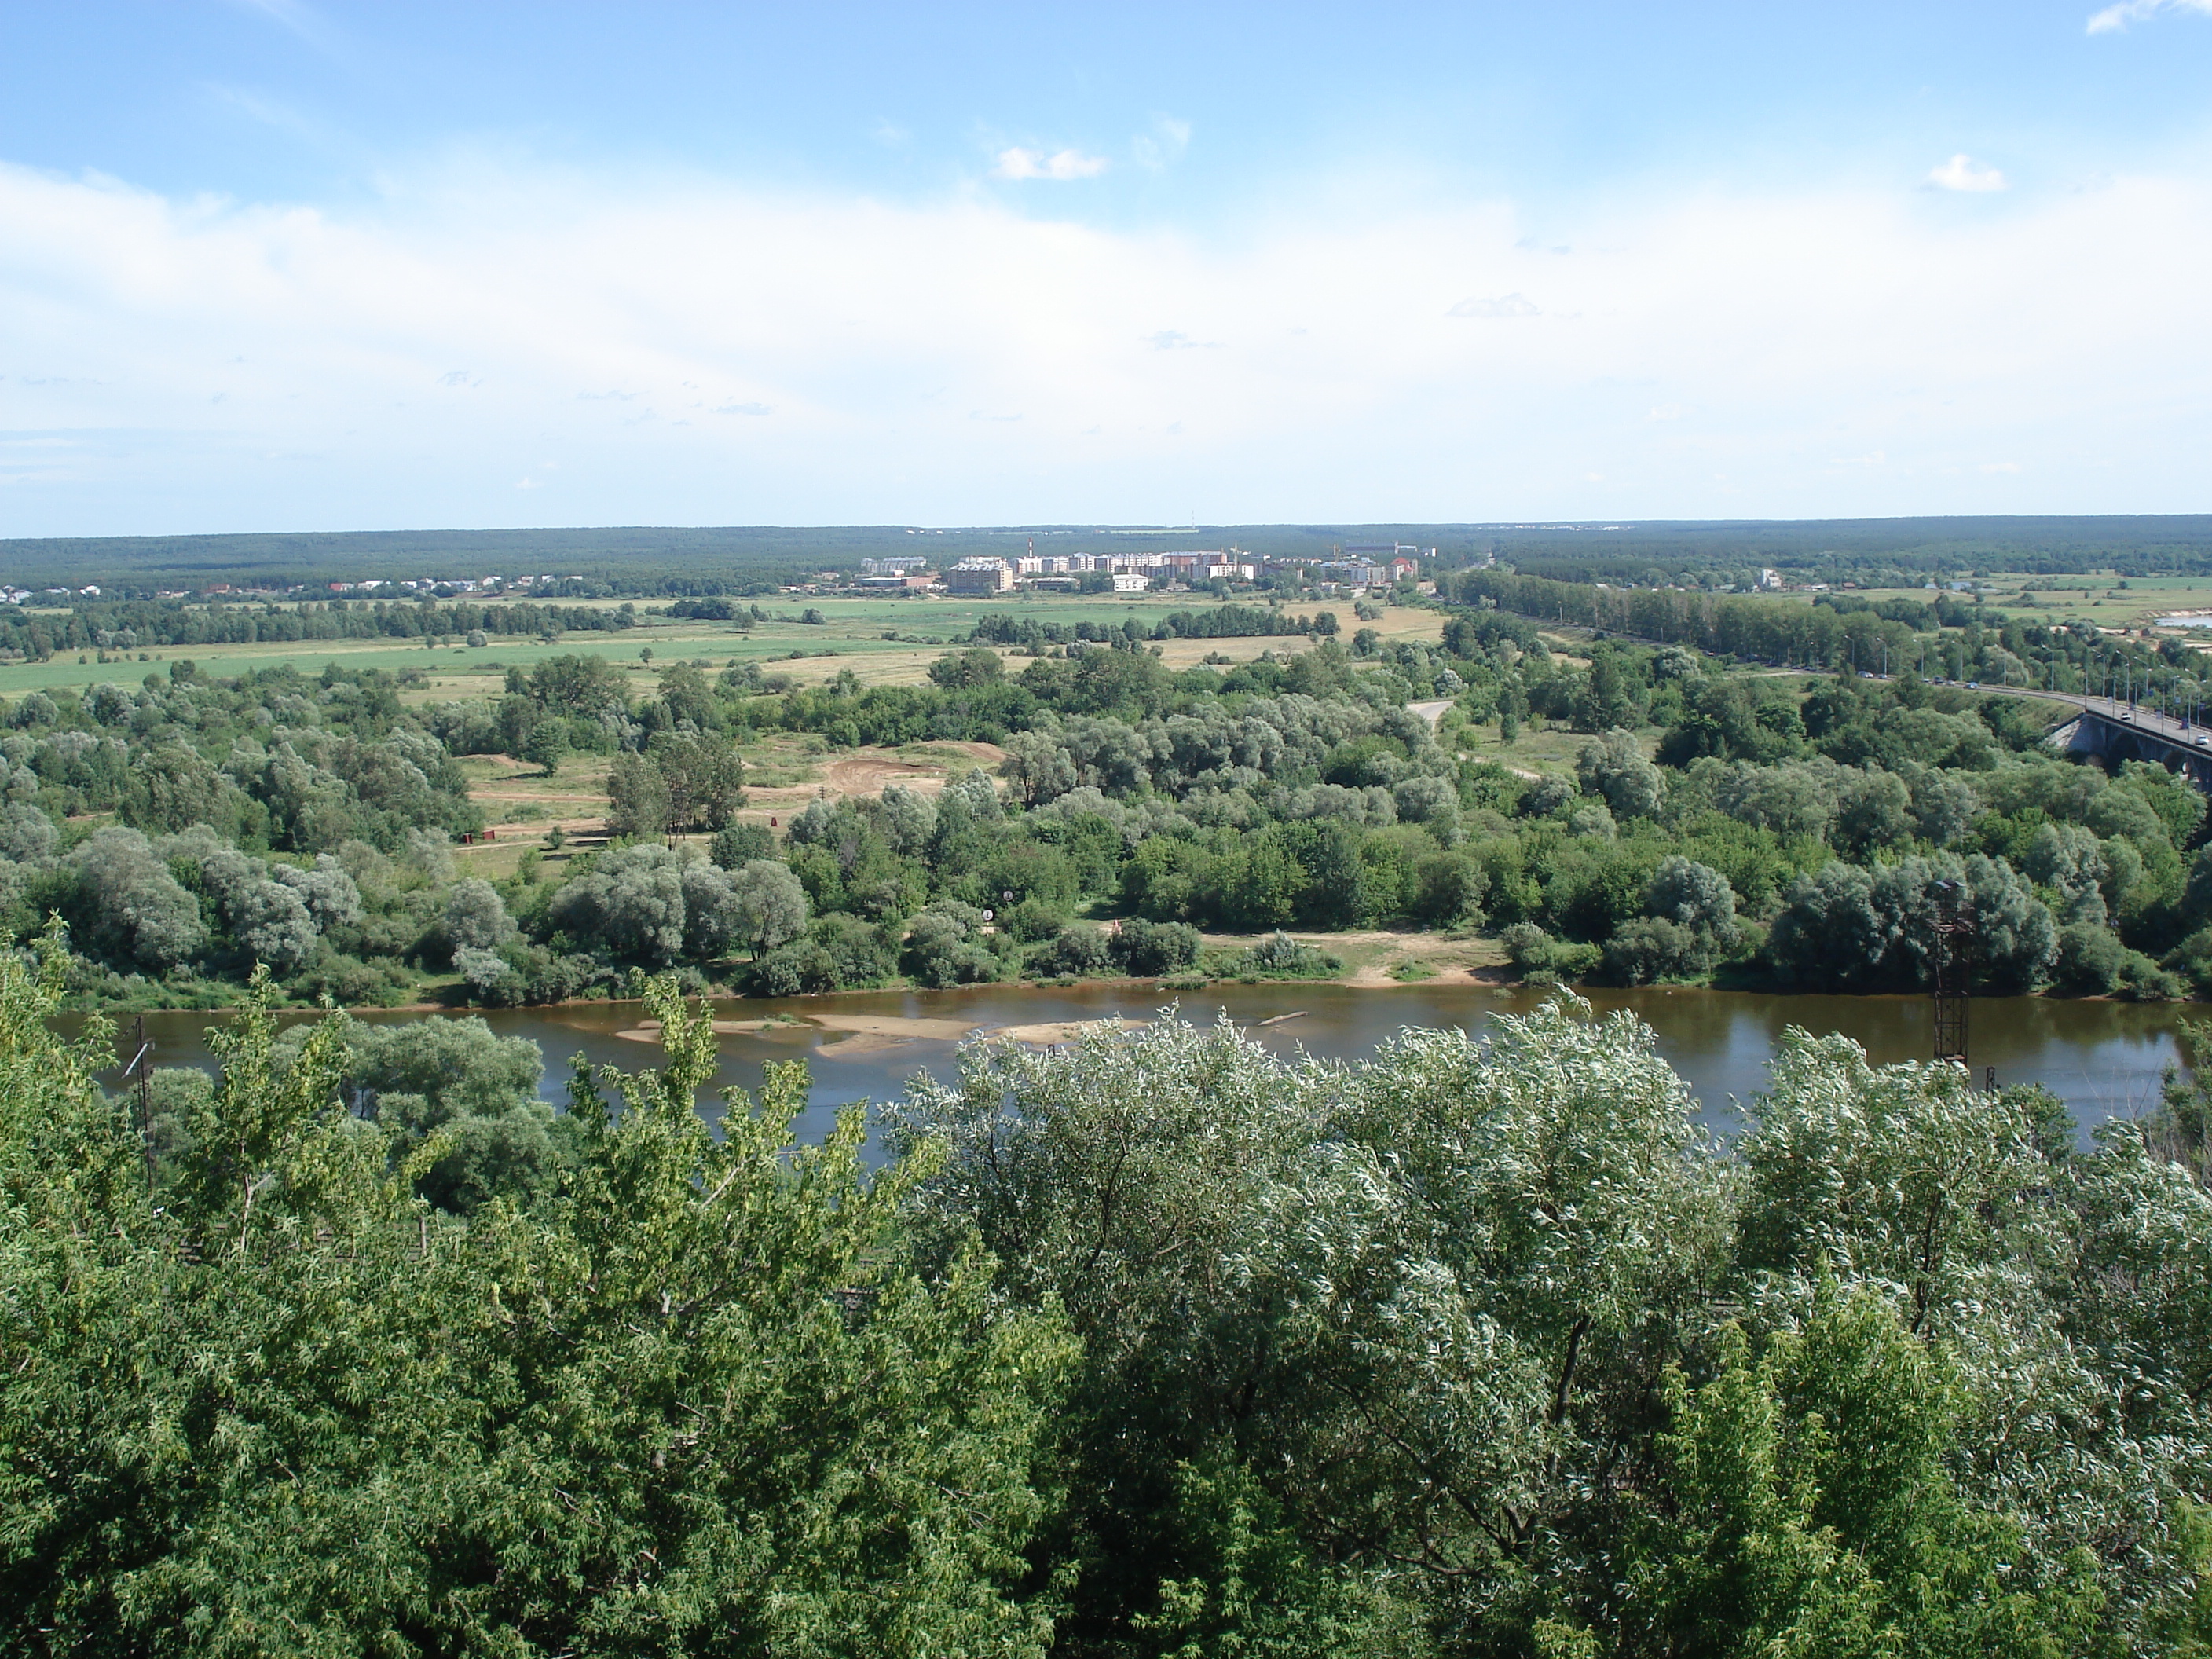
x: 883, y: 642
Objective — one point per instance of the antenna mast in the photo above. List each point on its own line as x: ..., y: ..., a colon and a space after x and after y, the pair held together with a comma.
x: 1954, y: 944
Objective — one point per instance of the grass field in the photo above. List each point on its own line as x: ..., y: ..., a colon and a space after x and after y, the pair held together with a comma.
x: 2098, y: 600
x: 854, y: 636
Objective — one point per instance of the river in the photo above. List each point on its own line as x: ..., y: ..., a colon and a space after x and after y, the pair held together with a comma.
x: 2104, y: 1058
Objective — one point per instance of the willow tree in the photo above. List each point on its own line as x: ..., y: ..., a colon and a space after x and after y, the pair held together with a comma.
x: 690, y: 1401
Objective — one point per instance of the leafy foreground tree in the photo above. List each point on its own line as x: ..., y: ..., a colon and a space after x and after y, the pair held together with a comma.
x: 689, y: 1401
x: 1160, y: 1346
x: 1482, y: 1348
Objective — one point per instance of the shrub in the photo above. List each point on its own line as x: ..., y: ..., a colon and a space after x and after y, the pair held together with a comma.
x: 802, y: 968
x: 2091, y: 960
x: 1542, y: 959
x: 1079, y: 953
x: 1147, y: 950
x: 1653, y: 948
x: 352, y: 983
x: 735, y: 845
x: 476, y: 919
x: 861, y: 955
x: 1281, y: 956
x: 946, y: 946
x: 491, y: 979
x: 1034, y: 922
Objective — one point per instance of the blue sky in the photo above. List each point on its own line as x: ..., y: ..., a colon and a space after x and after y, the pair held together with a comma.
x: 268, y: 263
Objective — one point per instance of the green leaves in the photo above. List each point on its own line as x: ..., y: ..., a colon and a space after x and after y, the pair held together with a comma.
x: 1155, y: 1346
x: 1813, y: 1509
x: 693, y: 1397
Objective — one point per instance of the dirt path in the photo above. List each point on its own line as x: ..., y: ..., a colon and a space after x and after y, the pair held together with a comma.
x: 530, y: 797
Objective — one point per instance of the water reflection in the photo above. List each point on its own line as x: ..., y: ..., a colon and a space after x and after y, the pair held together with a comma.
x: 2104, y: 1058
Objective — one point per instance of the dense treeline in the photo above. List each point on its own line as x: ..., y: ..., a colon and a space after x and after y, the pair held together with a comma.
x: 1865, y: 550
x: 1775, y: 833
x: 1219, y: 622
x: 1765, y: 829
x: 188, y: 830
x: 137, y: 626
x: 1157, y: 1346
x: 1943, y: 637
x: 703, y: 561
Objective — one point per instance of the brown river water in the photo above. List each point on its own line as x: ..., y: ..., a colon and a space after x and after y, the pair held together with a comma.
x: 2104, y: 1058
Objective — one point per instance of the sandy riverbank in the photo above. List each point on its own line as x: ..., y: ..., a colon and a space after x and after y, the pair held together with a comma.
x: 868, y: 1033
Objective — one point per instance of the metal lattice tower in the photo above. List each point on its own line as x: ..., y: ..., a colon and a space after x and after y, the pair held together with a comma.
x: 1950, y: 959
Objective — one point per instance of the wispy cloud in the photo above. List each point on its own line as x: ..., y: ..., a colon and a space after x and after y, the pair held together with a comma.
x: 2116, y: 17
x: 1174, y: 339
x: 1162, y: 144
x: 297, y: 19
x: 1018, y: 163
x: 1669, y: 412
x: 267, y: 111
x: 1963, y: 172
x: 743, y: 409
x: 1505, y: 305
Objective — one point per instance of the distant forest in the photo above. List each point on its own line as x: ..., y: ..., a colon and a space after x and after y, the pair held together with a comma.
x: 678, y: 561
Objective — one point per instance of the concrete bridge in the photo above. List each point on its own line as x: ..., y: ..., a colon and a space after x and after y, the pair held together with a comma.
x: 2115, y: 732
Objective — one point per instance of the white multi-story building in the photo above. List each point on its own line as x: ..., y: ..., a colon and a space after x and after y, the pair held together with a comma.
x: 979, y: 576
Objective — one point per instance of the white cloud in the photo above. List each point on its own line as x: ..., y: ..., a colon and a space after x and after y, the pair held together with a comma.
x: 743, y: 409
x: 1019, y: 163
x: 1162, y: 144
x: 2116, y: 17
x: 1963, y: 172
x: 2058, y: 337
x: 1669, y: 412
x: 2000, y: 466
x: 1506, y: 304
